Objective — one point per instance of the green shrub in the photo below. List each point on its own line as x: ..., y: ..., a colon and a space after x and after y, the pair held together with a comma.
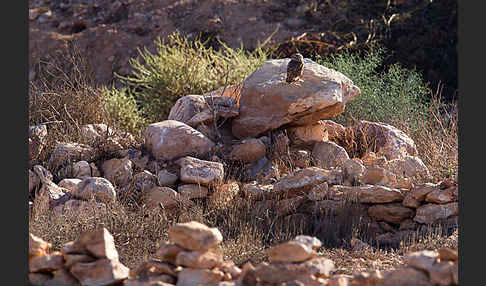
x: 181, y: 67
x: 396, y: 96
x: 122, y: 109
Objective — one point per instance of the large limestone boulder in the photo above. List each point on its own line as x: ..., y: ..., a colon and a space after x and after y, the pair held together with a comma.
x: 248, y: 150
x: 97, y: 187
x: 202, y: 172
x: 300, y: 182
x: 164, y: 197
x: 408, y: 167
x: 430, y: 213
x: 393, y: 213
x: 308, y: 135
x: 195, y: 236
x: 100, y: 272
x: 328, y: 155
x: 171, y: 139
x: 388, y: 140
x: 290, y: 251
x: 288, y: 271
x: 118, y: 171
x: 268, y: 102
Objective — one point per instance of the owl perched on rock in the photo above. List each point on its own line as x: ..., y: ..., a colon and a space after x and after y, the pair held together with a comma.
x: 295, y: 68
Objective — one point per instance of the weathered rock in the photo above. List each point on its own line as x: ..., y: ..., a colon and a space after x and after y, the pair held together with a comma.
x: 192, y: 191
x: 262, y: 170
x: 37, y: 246
x: 66, y: 152
x: 202, y: 172
x: 310, y: 241
x: 368, y: 278
x: 308, y: 135
x: 375, y: 175
x: 339, y: 280
x: 268, y: 102
x: 224, y: 195
x: 443, y: 196
x: 49, y: 262
x: 152, y: 268
x: 191, y: 277
x: 394, y: 212
x: 162, y: 280
x: 408, y: 167
x: 301, y: 181
x: 255, y: 191
x: 279, y: 272
x: 71, y: 259
x: 290, y: 251
x: 144, y: 180
x: 100, y: 272
x: 166, y: 178
x: 195, y: 236
x: 370, y: 159
x: 118, y: 171
x: 186, y: 107
x: 352, y: 171
x: 408, y: 224
x: 111, y: 140
x: 448, y: 254
x: 318, y: 192
x: 34, y: 181
x: 431, y: 213
x: 171, y: 139
x: 199, y: 259
x: 417, y: 194
x: 168, y: 251
x: 98, y: 243
x: 301, y: 158
x: 95, y: 172
x: 386, y: 139
x: 39, y: 279
x: 404, y: 277
x: 81, y: 169
x: 421, y: 260
x: 327, y: 155
x: 99, y: 188
x: 336, y: 132
x: 378, y: 194
x: 442, y: 273
x: 50, y: 195
x: 248, y: 150
x: 62, y: 277
x: 163, y: 197
x: 70, y: 184
x: 37, y: 140
x: 228, y: 266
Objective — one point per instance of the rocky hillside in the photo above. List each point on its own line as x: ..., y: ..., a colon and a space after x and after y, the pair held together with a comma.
x: 264, y: 143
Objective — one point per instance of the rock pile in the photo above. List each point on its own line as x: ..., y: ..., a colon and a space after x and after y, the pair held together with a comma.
x: 188, y: 159
x: 192, y: 257
x: 92, y: 259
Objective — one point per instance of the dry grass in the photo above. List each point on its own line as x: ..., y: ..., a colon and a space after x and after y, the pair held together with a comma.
x: 66, y: 101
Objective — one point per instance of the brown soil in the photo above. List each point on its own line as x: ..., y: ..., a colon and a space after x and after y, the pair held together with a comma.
x: 421, y: 34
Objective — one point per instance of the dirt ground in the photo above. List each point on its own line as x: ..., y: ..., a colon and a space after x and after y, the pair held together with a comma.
x: 108, y: 33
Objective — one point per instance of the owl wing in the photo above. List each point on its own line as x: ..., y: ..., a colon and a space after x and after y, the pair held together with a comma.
x: 294, y: 70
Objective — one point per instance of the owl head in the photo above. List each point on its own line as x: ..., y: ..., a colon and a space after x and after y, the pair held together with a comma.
x: 297, y: 57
